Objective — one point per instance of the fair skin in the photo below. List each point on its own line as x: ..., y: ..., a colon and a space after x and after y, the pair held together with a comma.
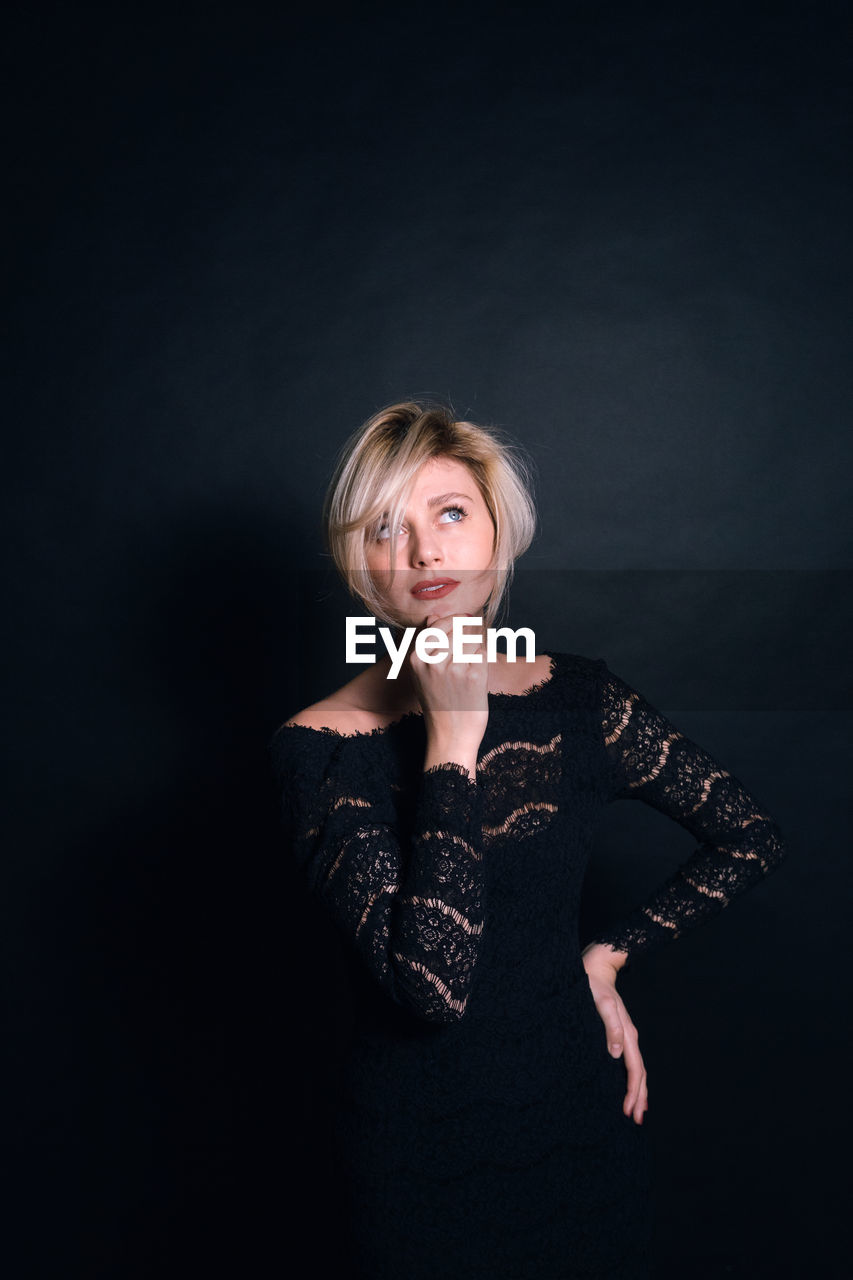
x: 448, y: 530
x: 602, y: 965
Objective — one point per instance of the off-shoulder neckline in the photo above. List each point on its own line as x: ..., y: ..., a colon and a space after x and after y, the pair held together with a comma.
x: 407, y: 716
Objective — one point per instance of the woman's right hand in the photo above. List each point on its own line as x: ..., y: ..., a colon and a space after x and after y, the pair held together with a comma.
x: 454, y: 699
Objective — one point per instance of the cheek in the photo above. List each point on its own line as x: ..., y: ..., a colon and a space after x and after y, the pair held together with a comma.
x: 376, y: 559
x: 487, y: 545
x: 382, y: 578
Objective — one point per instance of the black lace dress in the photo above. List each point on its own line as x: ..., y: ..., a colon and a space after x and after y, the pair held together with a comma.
x: 480, y: 1122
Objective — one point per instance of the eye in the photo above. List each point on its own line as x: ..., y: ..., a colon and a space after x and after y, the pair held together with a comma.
x: 383, y: 533
x: 462, y: 514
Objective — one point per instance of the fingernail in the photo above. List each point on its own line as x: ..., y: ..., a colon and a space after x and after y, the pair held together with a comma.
x: 615, y: 1049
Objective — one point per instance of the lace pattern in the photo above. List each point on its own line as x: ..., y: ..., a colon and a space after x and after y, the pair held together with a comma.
x: 413, y: 908
x: 738, y: 841
x: 401, y: 864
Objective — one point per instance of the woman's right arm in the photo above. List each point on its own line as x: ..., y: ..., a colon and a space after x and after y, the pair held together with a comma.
x: 411, y: 904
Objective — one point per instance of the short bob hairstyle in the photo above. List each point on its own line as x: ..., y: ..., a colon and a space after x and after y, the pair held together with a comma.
x: 375, y: 473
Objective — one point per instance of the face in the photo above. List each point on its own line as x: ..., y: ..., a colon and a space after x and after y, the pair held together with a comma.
x: 447, y: 533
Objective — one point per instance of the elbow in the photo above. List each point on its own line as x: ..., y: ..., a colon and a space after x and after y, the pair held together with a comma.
x: 445, y: 1014
x: 426, y: 995
x: 435, y: 1015
x: 777, y: 847
x: 770, y: 852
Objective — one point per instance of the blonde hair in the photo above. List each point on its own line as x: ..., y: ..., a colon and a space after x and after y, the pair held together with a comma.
x: 375, y: 473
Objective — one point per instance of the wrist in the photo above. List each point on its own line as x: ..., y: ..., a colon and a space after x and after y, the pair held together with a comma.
x: 451, y: 754
x: 601, y: 954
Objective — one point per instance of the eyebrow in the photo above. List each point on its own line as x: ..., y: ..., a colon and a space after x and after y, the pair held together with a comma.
x: 444, y: 497
x: 438, y: 500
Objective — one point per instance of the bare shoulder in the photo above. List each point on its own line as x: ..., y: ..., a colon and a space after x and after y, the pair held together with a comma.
x: 517, y: 677
x: 329, y: 713
x: 361, y: 705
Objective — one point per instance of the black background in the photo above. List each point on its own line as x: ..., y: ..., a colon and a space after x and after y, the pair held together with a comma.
x: 622, y: 233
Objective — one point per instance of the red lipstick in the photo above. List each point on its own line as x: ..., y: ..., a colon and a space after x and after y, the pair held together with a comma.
x: 433, y: 588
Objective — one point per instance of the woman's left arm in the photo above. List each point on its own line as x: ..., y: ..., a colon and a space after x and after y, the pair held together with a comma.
x: 739, y: 843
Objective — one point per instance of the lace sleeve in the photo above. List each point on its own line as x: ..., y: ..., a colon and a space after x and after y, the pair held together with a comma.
x: 739, y: 842
x: 410, y: 902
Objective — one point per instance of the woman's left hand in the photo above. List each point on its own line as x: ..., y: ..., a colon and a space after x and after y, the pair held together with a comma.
x: 622, y: 1037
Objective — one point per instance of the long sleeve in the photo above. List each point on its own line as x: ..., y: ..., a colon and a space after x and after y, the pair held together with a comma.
x: 739, y: 843
x: 404, y: 884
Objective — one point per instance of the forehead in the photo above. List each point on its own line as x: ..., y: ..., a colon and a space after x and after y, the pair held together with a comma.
x: 444, y: 472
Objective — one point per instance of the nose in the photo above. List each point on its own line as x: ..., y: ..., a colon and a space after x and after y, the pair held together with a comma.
x: 425, y: 549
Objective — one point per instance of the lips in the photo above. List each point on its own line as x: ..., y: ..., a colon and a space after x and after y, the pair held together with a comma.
x: 433, y: 588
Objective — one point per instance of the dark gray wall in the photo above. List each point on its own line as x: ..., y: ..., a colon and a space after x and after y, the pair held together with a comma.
x: 621, y: 232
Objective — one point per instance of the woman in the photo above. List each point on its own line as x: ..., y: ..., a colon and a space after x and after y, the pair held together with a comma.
x: 494, y: 1089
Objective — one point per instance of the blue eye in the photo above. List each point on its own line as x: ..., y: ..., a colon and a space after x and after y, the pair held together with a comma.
x: 383, y: 532
x: 462, y: 512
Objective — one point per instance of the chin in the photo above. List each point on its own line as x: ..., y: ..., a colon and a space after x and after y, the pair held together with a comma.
x: 468, y: 611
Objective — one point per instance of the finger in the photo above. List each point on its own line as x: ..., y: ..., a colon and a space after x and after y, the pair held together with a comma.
x: 635, y: 1069
x: 642, y: 1104
x: 636, y: 1097
x: 609, y: 1013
